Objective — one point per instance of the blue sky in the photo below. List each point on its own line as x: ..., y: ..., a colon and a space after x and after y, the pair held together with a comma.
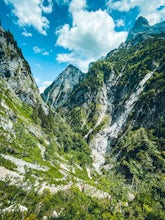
x: 55, y: 33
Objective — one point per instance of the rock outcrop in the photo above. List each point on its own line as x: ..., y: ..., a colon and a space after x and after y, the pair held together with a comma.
x: 16, y: 70
x: 58, y: 92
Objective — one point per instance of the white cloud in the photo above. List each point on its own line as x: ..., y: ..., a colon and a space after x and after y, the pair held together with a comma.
x: 38, y: 50
x: 45, y: 53
x: 120, y: 23
x: 26, y: 34
x: 46, y: 83
x: 91, y: 35
x: 43, y: 85
x: 148, y: 8
x: 77, y: 5
x: 30, y: 13
x: 62, y: 2
x: 38, y: 65
x: 48, y: 8
x: 76, y: 59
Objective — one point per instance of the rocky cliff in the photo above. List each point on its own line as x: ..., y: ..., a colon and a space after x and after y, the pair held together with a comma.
x: 58, y: 92
x: 15, y: 69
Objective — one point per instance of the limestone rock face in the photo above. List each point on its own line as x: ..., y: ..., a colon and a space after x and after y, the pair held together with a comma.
x: 58, y: 92
x: 16, y: 71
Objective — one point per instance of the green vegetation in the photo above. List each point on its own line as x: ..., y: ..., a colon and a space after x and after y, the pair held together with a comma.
x: 61, y: 137
x: 142, y: 163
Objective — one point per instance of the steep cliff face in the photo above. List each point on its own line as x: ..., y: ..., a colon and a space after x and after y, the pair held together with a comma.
x: 15, y: 69
x: 58, y: 92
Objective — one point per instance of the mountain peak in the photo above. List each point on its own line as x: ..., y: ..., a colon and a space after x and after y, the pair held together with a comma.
x: 70, y: 66
x: 141, y: 26
x: 61, y: 88
x: 141, y: 22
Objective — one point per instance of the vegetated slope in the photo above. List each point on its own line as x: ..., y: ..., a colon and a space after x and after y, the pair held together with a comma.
x: 41, y: 159
x: 42, y: 166
x: 15, y: 73
x: 100, y: 106
x: 46, y: 167
x: 119, y: 109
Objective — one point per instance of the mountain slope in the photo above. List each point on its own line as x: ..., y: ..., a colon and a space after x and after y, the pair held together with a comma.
x: 42, y: 161
x: 100, y: 106
x: 119, y: 109
x: 36, y: 164
x: 58, y: 92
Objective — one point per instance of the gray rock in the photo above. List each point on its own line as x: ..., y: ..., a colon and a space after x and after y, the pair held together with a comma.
x: 58, y: 92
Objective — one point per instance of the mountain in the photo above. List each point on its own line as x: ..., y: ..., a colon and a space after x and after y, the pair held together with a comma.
x: 58, y: 92
x: 141, y: 26
x: 98, y: 151
x: 101, y: 105
x: 142, y: 29
x: 119, y: 109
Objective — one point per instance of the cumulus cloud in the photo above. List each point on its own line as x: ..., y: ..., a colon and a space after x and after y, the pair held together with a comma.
x: 38, y: 50
x: 120, y: 23
x: 47, y: 6
x: 151, y: 9
x: 30, y: 13
x: 26, y: 34
x: 45, y: 53
x: 76, y: 6
x: 91, y: 35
